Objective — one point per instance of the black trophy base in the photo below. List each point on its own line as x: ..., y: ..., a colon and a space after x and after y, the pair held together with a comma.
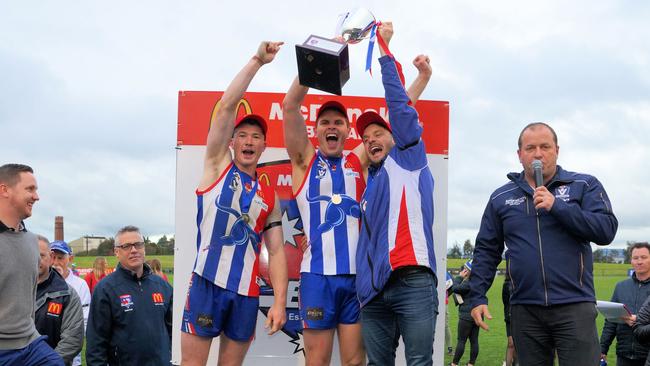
x: 323, y: 64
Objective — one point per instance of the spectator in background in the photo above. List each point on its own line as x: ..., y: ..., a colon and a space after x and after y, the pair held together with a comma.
x: 466, y: 326
x: 99, y: 271
x: 156, y: 267
x: 62, y: 260
x: 20, y: 343
x: 58, y: 309
x: 632, y: 292
x: 131, y: 312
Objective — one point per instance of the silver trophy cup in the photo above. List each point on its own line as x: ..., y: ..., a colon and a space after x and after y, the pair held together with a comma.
x: 324, y: 63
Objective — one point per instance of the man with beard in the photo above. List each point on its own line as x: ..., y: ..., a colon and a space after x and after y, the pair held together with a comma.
x: 396, y: 281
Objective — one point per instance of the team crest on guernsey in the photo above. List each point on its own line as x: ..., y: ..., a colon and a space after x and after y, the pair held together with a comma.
x: 234, y: 183
x: 322, y: 169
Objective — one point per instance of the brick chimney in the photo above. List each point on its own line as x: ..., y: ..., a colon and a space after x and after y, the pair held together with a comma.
x: 58, y: 228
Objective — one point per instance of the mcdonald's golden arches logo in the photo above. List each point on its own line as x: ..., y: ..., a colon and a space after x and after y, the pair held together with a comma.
x: 54, y: 308
x: 157, y: 298
x: 264, y: 178
x: 243, y: 108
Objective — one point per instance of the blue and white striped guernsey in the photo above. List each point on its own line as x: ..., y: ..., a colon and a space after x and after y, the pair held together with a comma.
x: 231, y: 216
x: 328, y: 200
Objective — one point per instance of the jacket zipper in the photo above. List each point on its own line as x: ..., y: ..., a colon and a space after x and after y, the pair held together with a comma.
x: 541, y: 256
x: 364, y: 220
x: 510, y: 275
x: 372, y: 274
x: 582, y: 267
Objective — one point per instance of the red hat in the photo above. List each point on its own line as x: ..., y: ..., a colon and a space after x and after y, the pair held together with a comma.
x: 368, y: 118
x: 254, y: 118
x: 332, y: 104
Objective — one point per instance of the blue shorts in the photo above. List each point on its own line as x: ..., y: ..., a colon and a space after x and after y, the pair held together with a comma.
x: 37, y: 353
x: 326, y: 301
x: 210, y: 310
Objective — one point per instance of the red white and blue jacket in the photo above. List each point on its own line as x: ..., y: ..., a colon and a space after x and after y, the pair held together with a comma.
x: 397, y: 206
x: 549, y: 258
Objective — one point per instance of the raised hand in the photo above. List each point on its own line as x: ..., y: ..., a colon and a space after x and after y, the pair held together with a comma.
x: 385, y: 30
x: 421, y: 62
x: 266, y: 51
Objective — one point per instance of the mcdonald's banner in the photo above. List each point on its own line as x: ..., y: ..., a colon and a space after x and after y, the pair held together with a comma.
x: 195, y: 112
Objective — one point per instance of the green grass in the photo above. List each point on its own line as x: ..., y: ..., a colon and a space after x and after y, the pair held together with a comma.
x: 167, y: 261
x: 492, y: 344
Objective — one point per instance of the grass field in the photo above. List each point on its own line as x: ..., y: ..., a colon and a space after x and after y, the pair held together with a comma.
x: 492, y: 343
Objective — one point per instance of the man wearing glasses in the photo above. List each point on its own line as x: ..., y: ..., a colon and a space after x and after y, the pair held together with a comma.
x: 131, y: 310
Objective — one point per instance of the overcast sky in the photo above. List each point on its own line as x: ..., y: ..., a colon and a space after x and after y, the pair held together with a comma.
x: 88, y: 93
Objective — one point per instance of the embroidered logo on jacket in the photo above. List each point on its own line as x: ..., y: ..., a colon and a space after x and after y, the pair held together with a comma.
x: 515, y: 201
x: 157, y: 298
x: 127, y: 302
x: 54, y: 309
x: 562, y: 192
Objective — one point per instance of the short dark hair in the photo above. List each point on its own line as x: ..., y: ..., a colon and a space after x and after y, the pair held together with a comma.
x: 10, y: 173
x: 639, y: 245
x: 534, y: 125
x: 126, y: 229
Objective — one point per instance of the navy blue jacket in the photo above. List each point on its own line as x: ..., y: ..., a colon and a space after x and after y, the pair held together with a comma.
x: 633, y: 294
x: 549, y: 256
x: 130, y: 320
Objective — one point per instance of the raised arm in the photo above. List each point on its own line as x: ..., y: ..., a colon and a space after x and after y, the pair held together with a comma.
x: 217, y: 154
x: 299, y: 147
x: 414, y: 91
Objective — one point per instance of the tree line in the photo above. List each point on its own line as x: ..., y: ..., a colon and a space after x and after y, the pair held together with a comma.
x: 600, y: 255
x: 164, y: 246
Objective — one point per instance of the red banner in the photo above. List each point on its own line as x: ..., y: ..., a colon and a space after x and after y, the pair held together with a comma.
x: 196, y: 108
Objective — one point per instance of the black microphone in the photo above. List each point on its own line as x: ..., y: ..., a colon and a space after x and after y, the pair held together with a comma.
x: 537, y: 170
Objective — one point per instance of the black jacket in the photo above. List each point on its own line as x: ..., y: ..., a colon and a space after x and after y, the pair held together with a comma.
x: 633, y: 294
x: 59, y: 316
x: 460, y: 291
x: 130, y: 320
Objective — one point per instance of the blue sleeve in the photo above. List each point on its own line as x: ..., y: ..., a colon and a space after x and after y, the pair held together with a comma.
x: 487, y: 256
x: 98, y: 334
x: 403, y: 117
x: 409, y: 151
x: 592, y: 219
